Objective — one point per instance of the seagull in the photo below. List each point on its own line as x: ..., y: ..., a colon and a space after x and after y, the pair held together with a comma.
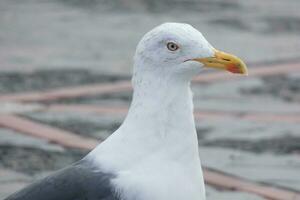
x: 154, y: 154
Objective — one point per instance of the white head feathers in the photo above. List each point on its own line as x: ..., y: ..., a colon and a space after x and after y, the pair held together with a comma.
x: 154, y: 56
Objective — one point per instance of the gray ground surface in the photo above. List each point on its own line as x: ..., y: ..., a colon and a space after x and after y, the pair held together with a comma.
x: 102, y: 35
x: 47, y: 44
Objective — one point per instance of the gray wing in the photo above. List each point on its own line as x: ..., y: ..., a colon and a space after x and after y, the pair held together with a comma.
x: 77, y: 182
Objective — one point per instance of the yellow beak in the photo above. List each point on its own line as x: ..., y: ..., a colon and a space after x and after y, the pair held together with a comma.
x: 224, y: 61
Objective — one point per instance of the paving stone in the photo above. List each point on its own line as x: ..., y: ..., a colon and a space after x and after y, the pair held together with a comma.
x: 227, y: 96
x: 235, y: 128
x: 93, y: 125
x: 40, y: 80
x: 12, y: 181
x: 34, y: 161
x: 51, y: 40
x: 8, y: 188
x: 7, y: 175
x: 281, y: 170
x: 214, y: 194
x: 12, y: 138
x: 102, y: 100
x: 230, y: 88
x: 10, y: 107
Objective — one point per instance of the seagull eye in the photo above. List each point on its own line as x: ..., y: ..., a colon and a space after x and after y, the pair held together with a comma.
x: 172, y: 46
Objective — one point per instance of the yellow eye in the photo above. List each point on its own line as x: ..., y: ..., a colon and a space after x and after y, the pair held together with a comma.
x: 172, y: 46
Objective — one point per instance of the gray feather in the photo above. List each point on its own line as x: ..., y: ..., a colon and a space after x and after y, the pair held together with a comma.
x: 79, y: 181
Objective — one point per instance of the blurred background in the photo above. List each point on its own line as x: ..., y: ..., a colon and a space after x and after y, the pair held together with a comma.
x: 65, y: 68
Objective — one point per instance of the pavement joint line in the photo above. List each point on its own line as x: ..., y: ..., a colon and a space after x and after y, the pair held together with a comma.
x: 199, y: 113
x: 68, y: 92
x: 107, y: 88
x: 50, y: 133
x: 251, y: 116
x: 258, y: 71
x: 212, y: 177
x: 230, y: 182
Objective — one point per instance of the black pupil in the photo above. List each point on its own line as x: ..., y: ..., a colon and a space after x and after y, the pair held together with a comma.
x: 172, y: 46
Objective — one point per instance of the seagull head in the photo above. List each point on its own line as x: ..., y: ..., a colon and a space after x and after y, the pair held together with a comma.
x: 181, y: 51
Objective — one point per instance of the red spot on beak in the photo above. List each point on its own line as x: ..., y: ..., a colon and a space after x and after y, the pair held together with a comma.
x: 233, y: 68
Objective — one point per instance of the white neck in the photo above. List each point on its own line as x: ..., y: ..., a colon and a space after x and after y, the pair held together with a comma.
x: 160, y: 121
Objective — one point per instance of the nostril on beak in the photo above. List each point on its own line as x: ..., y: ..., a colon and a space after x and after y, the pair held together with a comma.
x: 225, y: 59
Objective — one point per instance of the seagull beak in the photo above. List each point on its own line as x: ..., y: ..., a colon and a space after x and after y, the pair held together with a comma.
x: 224, y: 61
